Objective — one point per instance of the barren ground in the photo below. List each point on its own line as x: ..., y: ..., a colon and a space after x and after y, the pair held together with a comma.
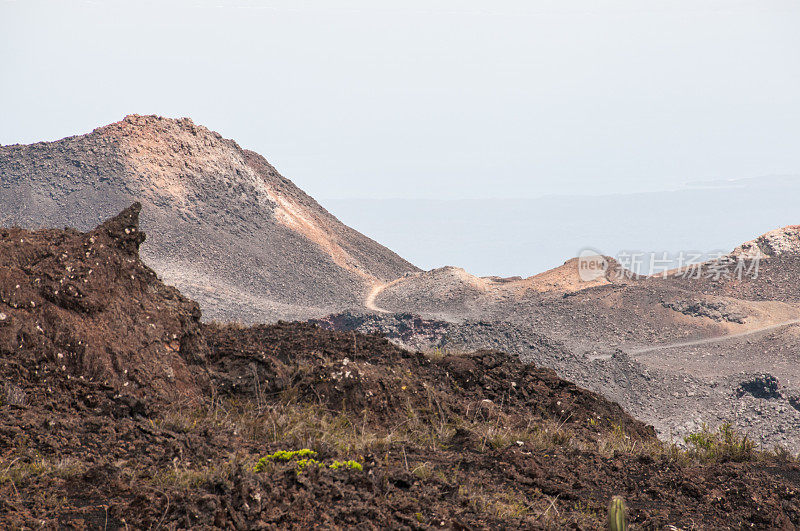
x: 674, y: 352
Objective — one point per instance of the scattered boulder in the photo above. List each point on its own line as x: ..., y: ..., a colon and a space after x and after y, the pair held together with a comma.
x: 763, y: 386
x: 716, y: 310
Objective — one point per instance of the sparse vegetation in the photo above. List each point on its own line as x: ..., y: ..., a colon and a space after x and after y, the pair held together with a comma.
x: 353, y: 465
x: 185, y: 477
x: 23, y: 467
x: 436, y: 353
x: 302, y: 459
x: 283, y: 455
x: 548, y: 435
x: 13, y: 395
x: 440, y: 352
x: 303, y: 463
x: 724, y: 444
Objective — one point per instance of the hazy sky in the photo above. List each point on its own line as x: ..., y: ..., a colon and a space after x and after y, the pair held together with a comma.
x: 456, y: 99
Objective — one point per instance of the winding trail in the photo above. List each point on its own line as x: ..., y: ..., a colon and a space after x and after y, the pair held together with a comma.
x: 710, y: 340
x: 376, y: 290
x: 369, y: 301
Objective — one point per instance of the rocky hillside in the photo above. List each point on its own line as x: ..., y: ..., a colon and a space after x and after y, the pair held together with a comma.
x: 119, y: 409
x: 674, y: 351
x: 226, y: 228
x: 775, y: 243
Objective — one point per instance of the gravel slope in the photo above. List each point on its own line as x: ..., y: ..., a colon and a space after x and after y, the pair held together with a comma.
x: 226, y: 228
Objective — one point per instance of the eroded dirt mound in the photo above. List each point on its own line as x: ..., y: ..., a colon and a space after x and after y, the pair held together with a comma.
x: 372, y: 377
x: 451, y: 292
x: 84, y: 305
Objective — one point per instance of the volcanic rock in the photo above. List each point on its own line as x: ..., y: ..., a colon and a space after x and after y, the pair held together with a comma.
x: 85, y: 305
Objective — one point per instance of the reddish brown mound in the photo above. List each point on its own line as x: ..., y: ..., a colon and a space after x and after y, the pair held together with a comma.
x: 373, y: 378
x: 83, y: 304
x: 113, y: 464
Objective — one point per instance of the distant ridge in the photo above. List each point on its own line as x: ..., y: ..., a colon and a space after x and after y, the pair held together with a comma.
x: 222, y: 224
x: 779, y: 242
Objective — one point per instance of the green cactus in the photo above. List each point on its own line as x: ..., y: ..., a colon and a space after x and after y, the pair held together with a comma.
x: 617, y: 515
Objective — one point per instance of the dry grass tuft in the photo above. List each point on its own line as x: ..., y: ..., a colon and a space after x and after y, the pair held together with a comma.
x: 13, y: 395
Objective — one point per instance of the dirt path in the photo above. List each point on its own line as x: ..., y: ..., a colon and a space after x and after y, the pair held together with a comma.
x: 710, y: 340
x: 369, y: 301
x: 376, y: 290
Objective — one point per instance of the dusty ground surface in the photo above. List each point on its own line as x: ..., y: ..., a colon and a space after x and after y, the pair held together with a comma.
x: 225, y: 227
x: 96, y: 431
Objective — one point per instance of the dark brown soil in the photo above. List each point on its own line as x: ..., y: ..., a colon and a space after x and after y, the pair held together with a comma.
x: 470, y: 441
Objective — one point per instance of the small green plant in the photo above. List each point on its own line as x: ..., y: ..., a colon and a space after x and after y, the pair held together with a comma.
x: 282, y: 455
x: 721, y: 445
x: 437, y: 353
x: 303, y: 463
x: 617, y: 515
x: 306, y: 459
x: 353, y: 465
